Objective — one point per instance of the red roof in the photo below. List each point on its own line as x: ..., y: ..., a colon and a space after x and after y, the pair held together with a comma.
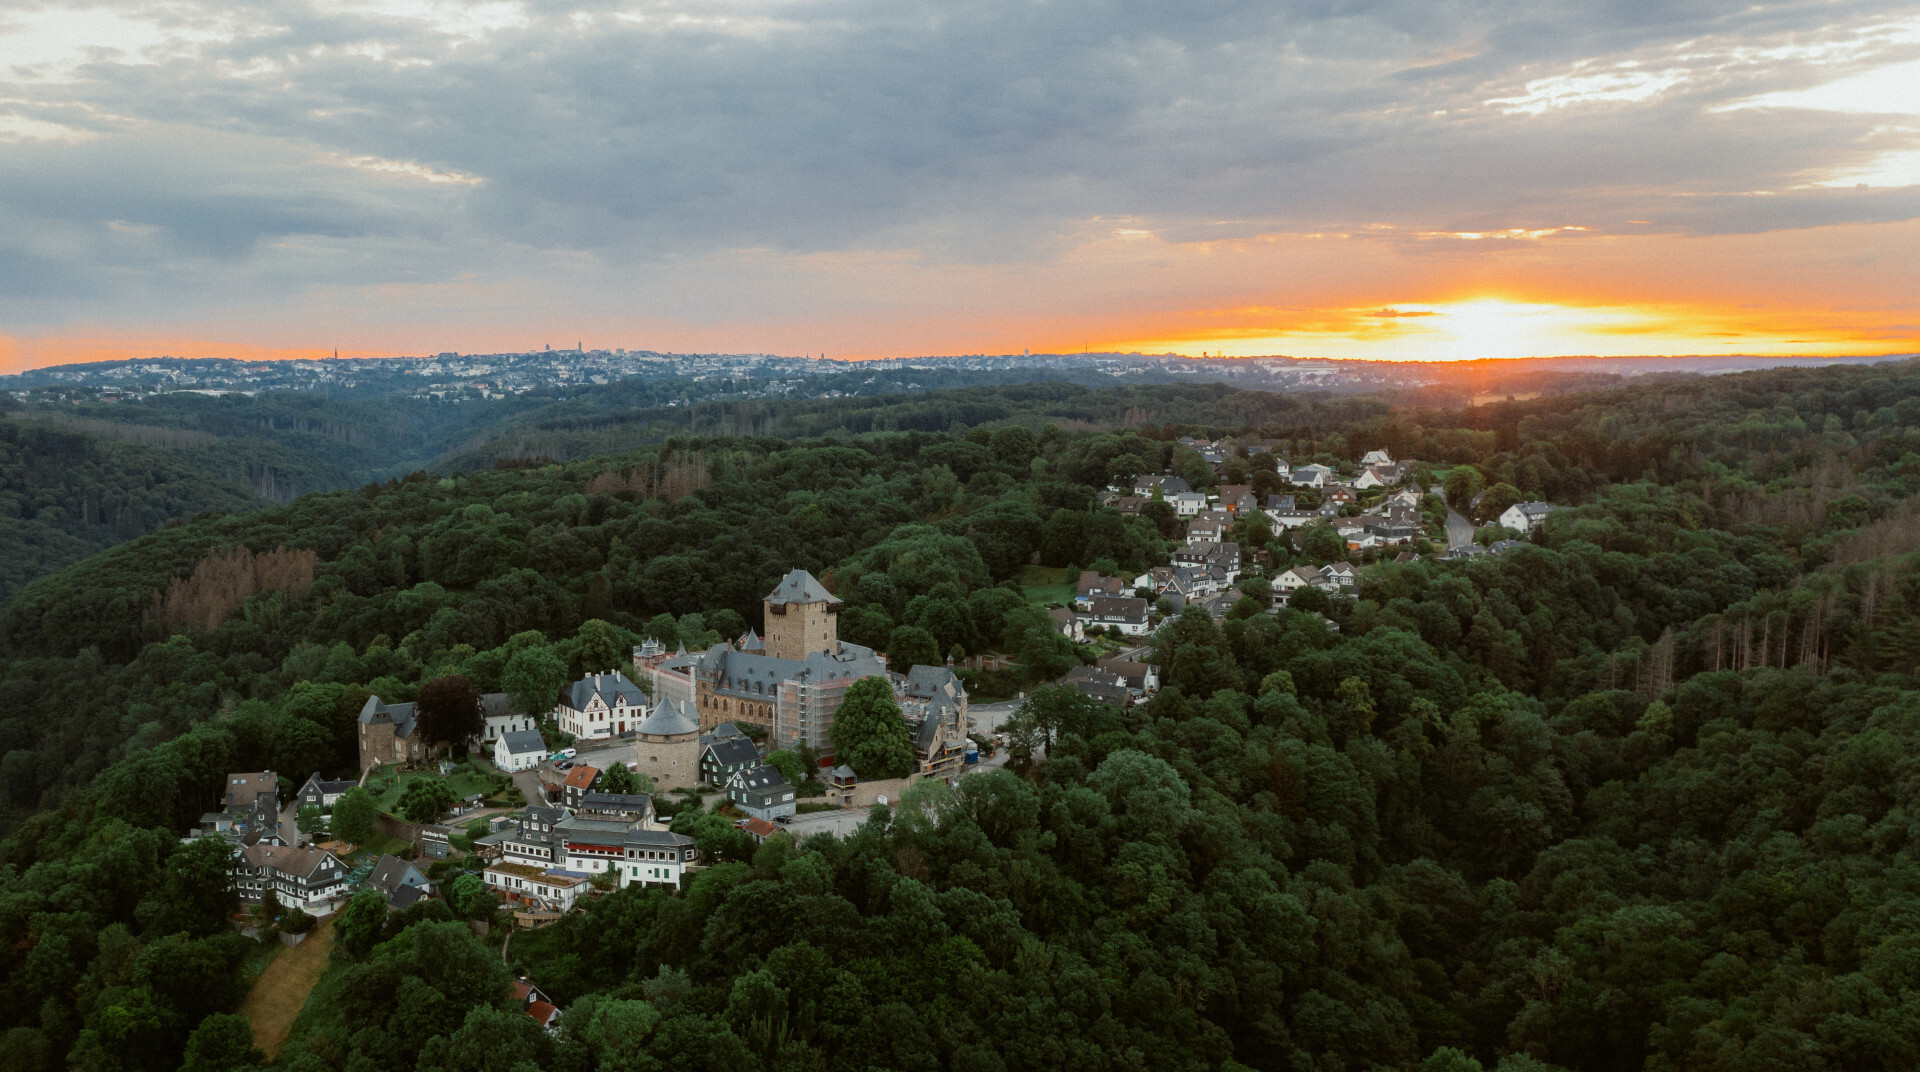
x: 582, y: 777
x: 542, y: 1013
x: 760, y: 828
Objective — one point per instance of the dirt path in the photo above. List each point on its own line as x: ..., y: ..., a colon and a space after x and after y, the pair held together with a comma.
x: 281, y: 991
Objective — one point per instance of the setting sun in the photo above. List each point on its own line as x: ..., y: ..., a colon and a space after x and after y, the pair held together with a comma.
x: 1492, y: 327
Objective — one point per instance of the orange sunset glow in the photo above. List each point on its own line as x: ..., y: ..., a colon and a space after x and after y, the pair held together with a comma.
x: 1316, y: 184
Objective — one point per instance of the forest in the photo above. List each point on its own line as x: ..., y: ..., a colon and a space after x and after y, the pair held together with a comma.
x: 1637, y: 795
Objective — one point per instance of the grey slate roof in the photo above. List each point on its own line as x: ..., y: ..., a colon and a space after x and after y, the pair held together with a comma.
x: 759, y: 779
x: 925, y: 733
x: 799, y: 587
x: 400, y: 714
x: 615, y: 802
x: 521, y: 742
x: 733, y: 751
x: 613, y: 688
x: 658, y: 839
x: 724, y: 729
x: 391, y: 872
x: 496, y: 705
x: 669, y: 719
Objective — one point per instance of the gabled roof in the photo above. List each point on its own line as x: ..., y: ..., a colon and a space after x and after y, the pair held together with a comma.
x: 758, y: 779
x: 799, y: 587
x: 612, y: 688
x: 498, y: 705
x: 391, y: 872
x: 244, y: 788
x: 521, y: 742
x: 733, y: 751
x: 1132, y: 608
x: 288, y: 860
x: 760, y: 828
x: 400, y: 714
x: 581, y: 777
x: 615, y: 802
x: 658, y: 839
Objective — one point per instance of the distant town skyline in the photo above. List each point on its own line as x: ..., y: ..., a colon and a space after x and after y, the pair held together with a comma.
x: 1388, y: 180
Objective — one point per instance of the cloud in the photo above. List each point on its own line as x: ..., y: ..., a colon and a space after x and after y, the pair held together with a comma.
x: 170, y: 155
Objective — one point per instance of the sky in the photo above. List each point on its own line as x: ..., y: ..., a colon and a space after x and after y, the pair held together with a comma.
x: 1406, y: 179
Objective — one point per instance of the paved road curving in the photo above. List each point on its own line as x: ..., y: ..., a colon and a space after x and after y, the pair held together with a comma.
x: 1459, y: 529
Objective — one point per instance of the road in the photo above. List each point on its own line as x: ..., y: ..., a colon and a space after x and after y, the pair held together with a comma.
x: 1459, y: 529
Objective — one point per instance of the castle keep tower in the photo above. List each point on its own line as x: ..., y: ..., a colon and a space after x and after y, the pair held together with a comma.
x: 802, y: 618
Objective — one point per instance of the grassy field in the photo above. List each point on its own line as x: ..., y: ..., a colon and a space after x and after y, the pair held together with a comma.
x: 275, y: 1001
x: 1046, y: 585
x: 387, y: 784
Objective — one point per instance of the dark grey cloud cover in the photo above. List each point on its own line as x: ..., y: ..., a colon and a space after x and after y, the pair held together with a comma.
x: 180, y: 154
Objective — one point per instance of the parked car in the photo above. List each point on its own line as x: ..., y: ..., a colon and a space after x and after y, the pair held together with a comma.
x: 565, y: 764
x: 783, y: 819
x: 569, y: 753
x: 739, y: 822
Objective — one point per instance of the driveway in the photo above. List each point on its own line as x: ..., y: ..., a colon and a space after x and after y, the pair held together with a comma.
x: 1459, y: 529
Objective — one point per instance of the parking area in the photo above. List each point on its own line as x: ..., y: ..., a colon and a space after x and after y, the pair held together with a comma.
x: 838, y: 823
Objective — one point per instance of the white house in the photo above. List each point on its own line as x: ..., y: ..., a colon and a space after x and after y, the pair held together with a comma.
x: 1526, y: 516
x: 1340, y: 573
x: 1311, y: 475
x: 1188, y: 503
x: 518, y: 750
x: 501, y: 717
x: 1291, y: 519
x: 307, y: 879
x: 1376, y: 457
x: 1370, y: 478
x: 1299, y: 577
x: 1126, y: 615
x: 535, y: 887
x: 600, y: 706
x: 656, y: 858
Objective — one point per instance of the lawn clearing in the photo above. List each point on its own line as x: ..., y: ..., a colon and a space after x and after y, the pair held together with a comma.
x: 281, y: 991
x: 387, y: 785
x: 1046, y: 585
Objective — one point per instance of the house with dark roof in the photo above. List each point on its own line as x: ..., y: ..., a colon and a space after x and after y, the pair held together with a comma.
x: 388, y: 734
x: 725, y: 756
x: 518, y: 750
x: 1092, y: 585
x: 1168, y: 484
x: 320, y: 793
x: 1099, y: 684
x: 616, y: 807
x: 251, y: 802
x: 499, y: 714
x: 400, y: 880
x: 1067, y: 624
x: 600, y: 706
x: 761, y: 792
x: 1126, y: 616
x: 1139, y: 678
x: 308, y: 879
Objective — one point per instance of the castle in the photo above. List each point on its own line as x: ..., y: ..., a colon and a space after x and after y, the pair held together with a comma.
x: 790, y: 682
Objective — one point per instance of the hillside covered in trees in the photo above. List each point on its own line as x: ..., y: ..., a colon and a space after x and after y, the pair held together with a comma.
x: 1637, y: 795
